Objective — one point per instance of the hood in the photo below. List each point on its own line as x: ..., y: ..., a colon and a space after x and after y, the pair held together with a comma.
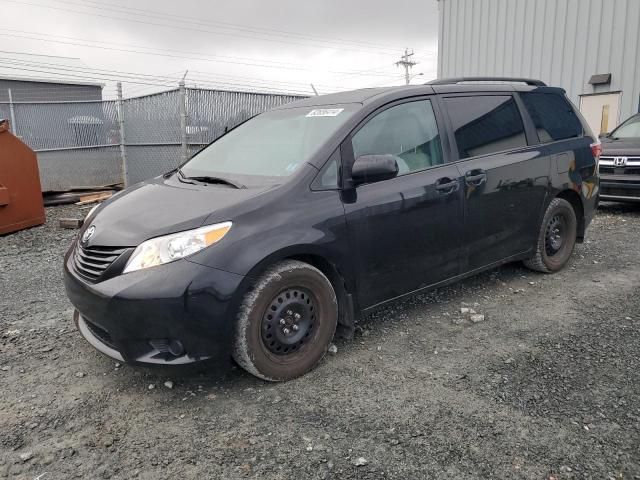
x: 159, y: 207
x: 628, y: 147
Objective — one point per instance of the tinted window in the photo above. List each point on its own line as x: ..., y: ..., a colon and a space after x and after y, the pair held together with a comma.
x: 328, y: 176
x: 408, y: 131
x: 553, y: 116
x: 485, y: 124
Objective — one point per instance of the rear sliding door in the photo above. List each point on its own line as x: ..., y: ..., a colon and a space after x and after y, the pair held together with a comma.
x: 505, y: 181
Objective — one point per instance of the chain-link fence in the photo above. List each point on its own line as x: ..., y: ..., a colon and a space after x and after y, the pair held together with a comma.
x: 97, y: 143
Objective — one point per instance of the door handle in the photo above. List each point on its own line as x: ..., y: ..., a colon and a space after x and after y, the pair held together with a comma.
x: 475, y: 177
x: 445, y: 186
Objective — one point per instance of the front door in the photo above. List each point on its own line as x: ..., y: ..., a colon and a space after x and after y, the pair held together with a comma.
x: 505, y: 181
x: 405, y: 233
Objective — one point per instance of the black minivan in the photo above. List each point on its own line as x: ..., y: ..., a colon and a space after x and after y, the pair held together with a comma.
x: 298, y: 220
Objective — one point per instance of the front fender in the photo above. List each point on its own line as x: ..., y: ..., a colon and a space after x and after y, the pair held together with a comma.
x: 312, y: 224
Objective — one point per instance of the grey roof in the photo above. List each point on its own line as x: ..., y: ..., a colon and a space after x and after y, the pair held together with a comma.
x: 362, y: 95
x: 367, y: 95
x: 53, y: 80
x: 27, y: 67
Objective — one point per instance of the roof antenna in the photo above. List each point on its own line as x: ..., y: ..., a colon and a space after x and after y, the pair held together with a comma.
x: 185, y: 75
x: 314, y: 89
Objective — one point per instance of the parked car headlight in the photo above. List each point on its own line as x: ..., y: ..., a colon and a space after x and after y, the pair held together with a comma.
x: 158, y: 251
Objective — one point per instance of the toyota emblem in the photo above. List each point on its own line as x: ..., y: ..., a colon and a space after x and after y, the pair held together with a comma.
x: 88, y: 233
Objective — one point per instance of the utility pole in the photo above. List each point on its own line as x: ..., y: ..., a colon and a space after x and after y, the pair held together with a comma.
x: 12, y: 125
x: 406, y: 62
x: 184, y: 147
x: 123, y: 141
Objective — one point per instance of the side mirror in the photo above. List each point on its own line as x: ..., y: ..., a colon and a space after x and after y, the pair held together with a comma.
x: 373, y: 168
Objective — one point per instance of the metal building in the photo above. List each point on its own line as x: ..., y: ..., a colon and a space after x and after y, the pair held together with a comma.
x: 591, y: 48
x: 26, y: 77
x: 18, y: 89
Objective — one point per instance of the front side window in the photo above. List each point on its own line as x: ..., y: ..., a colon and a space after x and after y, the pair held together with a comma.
x: 485, y: 124
x: 629, y: 129
x: 553, y: 116
x: 408, y: 131
x: 328, y: 178
x: 270, y: 146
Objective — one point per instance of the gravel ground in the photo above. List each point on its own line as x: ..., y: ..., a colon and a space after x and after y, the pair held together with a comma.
x: 546, y: 386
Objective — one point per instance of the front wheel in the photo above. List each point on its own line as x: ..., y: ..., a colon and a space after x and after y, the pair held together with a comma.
x: 286, y: 322
x: 556, y: 239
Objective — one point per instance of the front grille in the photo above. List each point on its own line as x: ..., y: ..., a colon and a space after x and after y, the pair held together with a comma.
x: 91, y: 262
x: 628, y: 170
x: 619, y: 192
x: 608, y: 166
x: 101, y: 334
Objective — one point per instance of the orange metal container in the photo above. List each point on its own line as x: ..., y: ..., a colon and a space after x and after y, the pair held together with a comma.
x: 21, y: 204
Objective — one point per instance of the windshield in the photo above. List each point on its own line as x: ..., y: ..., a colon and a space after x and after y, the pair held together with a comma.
x: 629, y: 129
x: 271, y: 145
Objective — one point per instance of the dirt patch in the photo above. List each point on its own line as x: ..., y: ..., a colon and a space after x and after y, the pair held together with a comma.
x: 546, y: 384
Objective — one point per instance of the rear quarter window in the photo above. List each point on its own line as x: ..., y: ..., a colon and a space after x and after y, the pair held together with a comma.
x: 553, y: 116
x: 484, y: 125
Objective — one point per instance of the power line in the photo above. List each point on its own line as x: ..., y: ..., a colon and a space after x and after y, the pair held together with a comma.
x: 198, y: 75
x: 191, y: 29
x: 249, y: 28
x: 201, y: 78
x: 204, y: 58
x: 225, y: 85
x: 125, y: 75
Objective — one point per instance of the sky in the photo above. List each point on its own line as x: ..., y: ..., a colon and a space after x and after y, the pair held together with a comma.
x: 258, y: 45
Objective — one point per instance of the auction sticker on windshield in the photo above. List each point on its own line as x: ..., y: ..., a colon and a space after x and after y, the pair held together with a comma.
x: 325, y: 112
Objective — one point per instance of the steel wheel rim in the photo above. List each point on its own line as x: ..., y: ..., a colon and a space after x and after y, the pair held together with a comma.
x: 288, y: 321
x: 555, y: 235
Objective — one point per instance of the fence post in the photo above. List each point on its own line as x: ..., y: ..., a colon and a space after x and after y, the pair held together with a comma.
x: 12, y: 112
x: 123, y: 150
x: 183, y: 122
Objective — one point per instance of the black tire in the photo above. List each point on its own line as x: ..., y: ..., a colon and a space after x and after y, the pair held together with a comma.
x: 286, y: 322
x: 556, y: 239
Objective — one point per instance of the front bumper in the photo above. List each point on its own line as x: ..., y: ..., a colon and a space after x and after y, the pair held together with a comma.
x: 621, y: 188
x: 176, y: 313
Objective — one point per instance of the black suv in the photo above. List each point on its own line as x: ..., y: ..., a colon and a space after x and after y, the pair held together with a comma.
x: 620, y: 162
x: 301, y: 218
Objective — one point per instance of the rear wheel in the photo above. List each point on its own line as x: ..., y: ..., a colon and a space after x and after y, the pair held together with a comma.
x: 556, y: 239
x: 286, y: 322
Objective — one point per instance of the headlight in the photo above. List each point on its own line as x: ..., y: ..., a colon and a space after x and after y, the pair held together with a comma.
x: 158, y: 251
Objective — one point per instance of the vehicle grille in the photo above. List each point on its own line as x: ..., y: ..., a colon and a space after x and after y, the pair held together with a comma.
x: 622, y: 170
x: 101, y: 334
x: 608, y: 167
x: 619, y: 192
x: 91, y: 262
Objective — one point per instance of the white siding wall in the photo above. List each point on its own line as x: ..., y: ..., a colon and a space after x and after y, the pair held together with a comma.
x: 562, y: 42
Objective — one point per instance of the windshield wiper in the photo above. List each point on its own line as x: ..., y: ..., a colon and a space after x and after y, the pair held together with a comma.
x: 182, y: 177
x: 216, y: 180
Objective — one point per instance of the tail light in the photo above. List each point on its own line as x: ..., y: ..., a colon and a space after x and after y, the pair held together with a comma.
x: 596, y: 149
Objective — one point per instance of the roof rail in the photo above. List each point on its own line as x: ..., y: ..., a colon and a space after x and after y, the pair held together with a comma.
x: 453, y: 81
